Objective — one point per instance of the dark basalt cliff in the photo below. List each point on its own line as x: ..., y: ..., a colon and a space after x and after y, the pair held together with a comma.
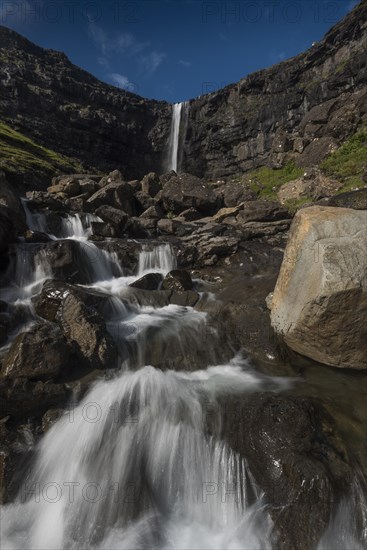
x: 300, y: 109
x: 67, y: 110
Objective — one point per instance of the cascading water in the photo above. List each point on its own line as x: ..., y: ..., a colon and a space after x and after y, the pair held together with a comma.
x: 132, y: 466
x: 174, y: 138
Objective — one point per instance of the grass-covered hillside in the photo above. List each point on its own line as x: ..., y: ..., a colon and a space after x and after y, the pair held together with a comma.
x: 27, y: 163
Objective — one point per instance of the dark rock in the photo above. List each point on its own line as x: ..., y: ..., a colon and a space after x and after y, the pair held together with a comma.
x: 184, y: 298
x: 186, y: 191
x: 12, y: 203
x: 103, y: 229
x: 261, y: 210
x: 36, y: 237
x: 297, y: 459
x: 141, y: 298
x: 190, y: 215
x: 150, y: 281
x: 135, y: 184
x: 85, y: 330
x: 39, y: 354
x: 65, y: 260
x: 233, y: 193
x: 66, y: 184
x: 164, y: 178
x: 144, y: 200
x: 88, y: 186
x: 153, y: 212
x: 45, y: 200
x: 7, y: 235
x: 77, y: 204
x: 353, y: 199
x: 114, y: 176
x: 167, y: 226
x: 117, y: 218
x: 151, y: 184
x: 50, y: 418
x: 116, y: 194
x: 20, y: 397
x: 177, y: 280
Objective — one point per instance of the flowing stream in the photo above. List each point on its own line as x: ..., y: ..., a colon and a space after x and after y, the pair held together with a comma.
x: 132, y: 466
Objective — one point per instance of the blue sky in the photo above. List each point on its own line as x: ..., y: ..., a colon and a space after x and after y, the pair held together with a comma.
x: 174, y: 49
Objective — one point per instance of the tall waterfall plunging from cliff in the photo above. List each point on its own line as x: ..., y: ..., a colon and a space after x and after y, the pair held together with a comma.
x: 179, y: 116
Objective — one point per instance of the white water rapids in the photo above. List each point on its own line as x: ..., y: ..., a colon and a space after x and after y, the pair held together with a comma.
x: 131, y: 466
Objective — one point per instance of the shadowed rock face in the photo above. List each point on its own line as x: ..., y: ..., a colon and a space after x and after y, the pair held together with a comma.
x: 302, y: 109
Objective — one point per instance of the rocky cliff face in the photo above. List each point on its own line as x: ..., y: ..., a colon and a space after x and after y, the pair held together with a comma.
x: 300, y: 109
x: 69, y: 111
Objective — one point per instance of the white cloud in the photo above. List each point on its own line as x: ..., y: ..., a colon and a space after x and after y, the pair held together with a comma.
x: 121, y: 81
x: 125, y: 44
x: 185, y: 63
x: 151, y: 61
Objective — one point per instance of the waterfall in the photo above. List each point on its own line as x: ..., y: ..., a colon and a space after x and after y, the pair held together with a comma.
x: 174, y: 137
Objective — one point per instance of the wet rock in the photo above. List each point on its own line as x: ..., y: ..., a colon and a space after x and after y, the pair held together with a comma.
x: 20, y: 397
x: 116, y: 194
x: 50, y: 418
x: 177, y: 280
x: 86, y: 332
x: 186, y: 191
x: 141, y: 298
x: 297, y: 459
x: 36, y: 237
x: 151, y: 184
x: 184, y: 298
x: 64, y: 258
x: 41, y: 353
x: 150, y: 281
x: 320, y: 300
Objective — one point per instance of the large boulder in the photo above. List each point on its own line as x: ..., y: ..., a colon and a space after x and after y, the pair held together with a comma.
x: 352, y: 199
x: 187, y: 191
x: 319, y: 304
x: 262, y: 210
x: 297, y: 458
x: 41, y: 353
x: 233, y: 193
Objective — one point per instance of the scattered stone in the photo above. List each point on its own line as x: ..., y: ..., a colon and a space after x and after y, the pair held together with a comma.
x: 117, y: 194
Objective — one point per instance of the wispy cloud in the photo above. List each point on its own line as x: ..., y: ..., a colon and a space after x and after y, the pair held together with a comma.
x: 185, y: 63
x: 123, y: 43
x: 127, y: 45
x: 121, y: 81
x: 152, y: 61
